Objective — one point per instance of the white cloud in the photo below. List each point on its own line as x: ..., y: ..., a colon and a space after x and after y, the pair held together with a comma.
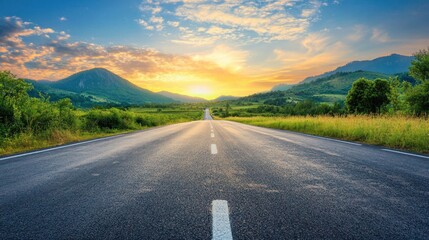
x: 145, y: 24
x: 379, y: 36
x: 173, y: 24
x: 215, y: 30
x: 261, y: 21
x: 63, y: 36
x: 62, y: 19
x: 315, y: 42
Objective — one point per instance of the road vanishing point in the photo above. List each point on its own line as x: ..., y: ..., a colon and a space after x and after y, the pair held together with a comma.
x: 213, y: 179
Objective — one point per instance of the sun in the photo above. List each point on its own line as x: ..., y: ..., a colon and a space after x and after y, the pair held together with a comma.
x: 200, y: 91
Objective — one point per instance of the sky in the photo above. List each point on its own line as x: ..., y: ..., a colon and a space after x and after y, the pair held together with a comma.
x: 205, y: 48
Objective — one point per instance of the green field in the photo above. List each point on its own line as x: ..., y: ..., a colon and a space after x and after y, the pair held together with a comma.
x: 399, y: 132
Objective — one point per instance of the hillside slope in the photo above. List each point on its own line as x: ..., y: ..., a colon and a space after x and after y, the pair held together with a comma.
x: 105, y: 86
x: 328, y: 89
x: 391, y: 64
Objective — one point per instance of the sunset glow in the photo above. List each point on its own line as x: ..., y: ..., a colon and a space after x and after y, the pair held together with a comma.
x: 205, y: 48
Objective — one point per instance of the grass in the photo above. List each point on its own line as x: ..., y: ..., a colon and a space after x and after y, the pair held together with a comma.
x: 26, y: 142
x: 140, y: 118
x: 407, y: 133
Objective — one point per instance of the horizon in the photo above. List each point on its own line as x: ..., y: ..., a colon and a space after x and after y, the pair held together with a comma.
x: 205, y: 49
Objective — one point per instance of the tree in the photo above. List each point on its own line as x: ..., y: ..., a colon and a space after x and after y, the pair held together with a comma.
x: 418, y: 99
x: 420, y: 66
x: 357, y: 97
x: 13, y: 92
x: 395, y: 95
x: 368, y: 96
x: 379, y: 95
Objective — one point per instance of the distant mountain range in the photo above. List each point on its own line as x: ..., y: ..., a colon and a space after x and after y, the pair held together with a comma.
x: 333, y: 86
x: 182, y: 98
x: 388, y: 65
x: 99, y: 86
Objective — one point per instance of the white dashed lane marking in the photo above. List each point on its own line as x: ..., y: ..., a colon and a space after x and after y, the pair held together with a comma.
x: 221, y: 225
x: 213, y: 149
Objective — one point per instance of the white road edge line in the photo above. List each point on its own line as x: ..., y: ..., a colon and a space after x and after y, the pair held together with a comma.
x: 335, y: 140
x: 212, y: 135
x: 221, y: 225
x: 213, y: 149
x: 404, y: 153
x: 324, y: 138
x: 55, y: 148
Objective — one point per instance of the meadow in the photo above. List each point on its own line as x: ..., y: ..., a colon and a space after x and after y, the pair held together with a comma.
x: 400, y: 132
x: 84, y: 124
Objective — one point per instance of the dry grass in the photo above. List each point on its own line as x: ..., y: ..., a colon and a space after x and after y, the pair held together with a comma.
x: 27, y: 142
x: 400, y: 132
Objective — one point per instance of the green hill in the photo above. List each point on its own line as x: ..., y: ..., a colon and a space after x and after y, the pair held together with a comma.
x: 98, y: 86
x: 388, y: 65
x: 331, y: 89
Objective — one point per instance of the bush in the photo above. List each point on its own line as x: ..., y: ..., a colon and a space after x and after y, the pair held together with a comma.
x: 113, y: 118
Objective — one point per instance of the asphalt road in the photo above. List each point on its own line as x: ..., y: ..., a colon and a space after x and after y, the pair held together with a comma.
x: 162, y: 183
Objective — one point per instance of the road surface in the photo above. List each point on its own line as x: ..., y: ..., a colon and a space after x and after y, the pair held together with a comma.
x: 217, y: 179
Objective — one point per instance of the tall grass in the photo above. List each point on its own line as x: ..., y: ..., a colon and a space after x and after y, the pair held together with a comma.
x: 91, y: 124
x: 400, y: 132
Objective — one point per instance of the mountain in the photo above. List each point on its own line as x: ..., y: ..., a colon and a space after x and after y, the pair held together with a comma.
x: 329, y: 89
x: 78, y: 100
x: 392, y: 64
x: 225, y: 98
x: 334, y: 87
x: 101, y: 85
x: 182, y: 98
x: 282, y: 87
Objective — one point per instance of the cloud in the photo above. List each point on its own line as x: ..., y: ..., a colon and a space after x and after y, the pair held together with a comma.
x: 173, y: 23
x: 249, y: 21
x: 379, y: 35
x: 63, y: 36
x: 150, y: 19
x: 226, y: 58
x: 357, y: 34
x: 215, y: 30
x: 322, y: 53
x: 316, y: 42
x: 13, y: 29
x: 145, y: 24
x: 26, y: 51
x: 62, y: 19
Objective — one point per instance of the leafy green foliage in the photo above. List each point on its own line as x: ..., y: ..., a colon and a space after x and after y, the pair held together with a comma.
x: 420, y: 66
x: 418, y: 99
x: 367, y: 96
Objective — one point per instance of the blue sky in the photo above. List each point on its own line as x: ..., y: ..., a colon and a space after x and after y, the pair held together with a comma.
x: 205, y: 48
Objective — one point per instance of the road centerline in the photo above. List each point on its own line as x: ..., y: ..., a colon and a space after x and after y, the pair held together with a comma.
x: 213, y: 149
x: 221, y: 225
